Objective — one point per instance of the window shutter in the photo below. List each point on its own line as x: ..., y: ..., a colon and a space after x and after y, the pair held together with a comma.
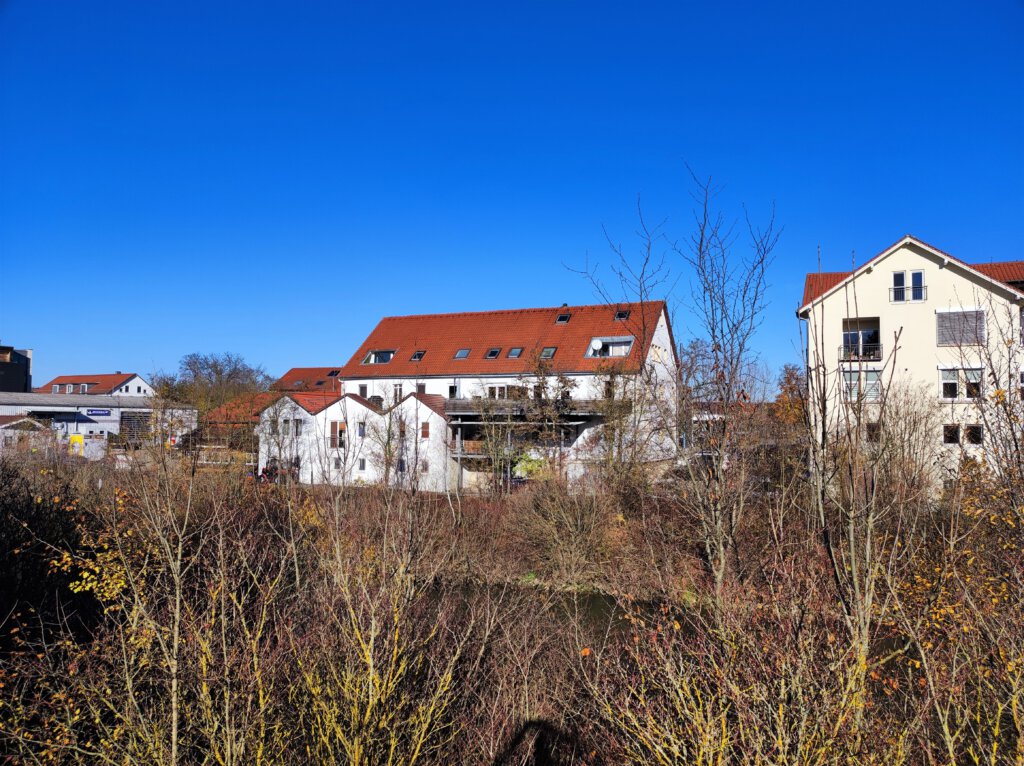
x: 960, y: 328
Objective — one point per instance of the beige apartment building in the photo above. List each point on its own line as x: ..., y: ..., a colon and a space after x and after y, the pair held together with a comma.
x: 916, y: 332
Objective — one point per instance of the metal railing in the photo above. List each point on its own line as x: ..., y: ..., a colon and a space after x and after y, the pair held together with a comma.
x: 864, y: 352
x: 909, y: 293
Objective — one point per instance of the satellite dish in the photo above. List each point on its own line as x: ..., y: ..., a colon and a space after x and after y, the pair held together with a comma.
x: 597, y: 344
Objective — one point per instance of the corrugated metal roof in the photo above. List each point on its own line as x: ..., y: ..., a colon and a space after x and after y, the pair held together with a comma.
x: 15, y: 399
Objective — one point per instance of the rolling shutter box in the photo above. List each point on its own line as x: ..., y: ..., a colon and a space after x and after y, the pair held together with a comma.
x: 960, y: 328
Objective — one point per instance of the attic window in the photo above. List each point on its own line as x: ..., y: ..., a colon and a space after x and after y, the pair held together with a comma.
x: 515, y: 353
x: 601, y: 348
x: 462, y: 353
x: 562, y: 318
x: 548, y: 352
x: 333, y: 373
x: 622, y: 316
x: 319, y: 383
x: 417, y: 355
x: 379, y: 357
x: 493, y: 353
x: 298, y: 384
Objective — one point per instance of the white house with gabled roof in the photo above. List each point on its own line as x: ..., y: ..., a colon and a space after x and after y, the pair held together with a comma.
x: 916, y: 318
x: 347, y: 440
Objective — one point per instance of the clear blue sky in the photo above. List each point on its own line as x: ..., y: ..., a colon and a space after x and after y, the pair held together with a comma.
x: 272, y: 178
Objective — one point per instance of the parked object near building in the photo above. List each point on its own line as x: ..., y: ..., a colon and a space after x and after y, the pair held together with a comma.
x: 107, y: 384
x: 462, y: 400
x: 15, y: 369
x: 915, y: 318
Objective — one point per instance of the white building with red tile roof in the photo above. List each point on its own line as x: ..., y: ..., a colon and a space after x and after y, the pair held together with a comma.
x: 105, y: 384
x: 346, y: 440
x: 916, y: 319
x: 457, y: 379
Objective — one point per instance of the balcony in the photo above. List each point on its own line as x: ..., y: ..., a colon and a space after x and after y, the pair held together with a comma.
x: 908, y: 294
x: 862, y: 352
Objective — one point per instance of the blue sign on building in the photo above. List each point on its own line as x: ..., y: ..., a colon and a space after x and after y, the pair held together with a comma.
x: 97, y: 412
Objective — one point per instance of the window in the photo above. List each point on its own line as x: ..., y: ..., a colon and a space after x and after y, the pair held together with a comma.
x: 382, y: 356
x: 401, y: 429
x: 462, y: 353
x: 453, y: 392
x: 70, y: 387
x: 56, y: 387
x: 421, y: 388
x: 515, y: 352
x: 974, y: 434
x: 873, y: 432
x: 917, y: 285
x: 417, y: 355
x: 548, y: 352
x: 1022, y: 386
x: 562, y: 318
x: 609, y: 389
x: 298, y: 427
x: 861, y: 340
x: 362, y: 464
x: 425, y: 430
x: 622, y: 316
x: 401, y: 465
x: 609, y: 347
x: 493, y: 353
x: 970, y: 378
x: 951, y: 434
x: 363, y: 392
x: 497, y: 392
x: 898, y: 293
x: 960, y: 328
x: 424, y: 466
x: 396, y: 391
x: 872, y: 385
x: 851, y: 385
x: 273, y: 427
x: 83, y: 388
x: 337, y: 434
x: 138, y: 389
x: 333, y: 373
x: 286, y: 427
x: 337, y: 463
x: 361, y: 429
x: 972, y: 383
x: 950, y: 384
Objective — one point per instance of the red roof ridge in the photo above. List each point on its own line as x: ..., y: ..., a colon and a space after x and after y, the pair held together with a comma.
x: 615, y: 305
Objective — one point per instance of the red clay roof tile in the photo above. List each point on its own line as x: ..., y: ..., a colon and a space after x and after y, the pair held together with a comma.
x: 98, y: 384
x: 440, y: 336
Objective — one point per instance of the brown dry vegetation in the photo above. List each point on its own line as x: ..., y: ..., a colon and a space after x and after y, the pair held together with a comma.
x: 161, y: 615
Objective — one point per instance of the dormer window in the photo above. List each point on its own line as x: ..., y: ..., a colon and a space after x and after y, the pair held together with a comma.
x: 83, y: 388
x: 548, y: 352
x: 417, y: 355
x: 493, y: 353
x: 622, y: 316
x: 563, y: 318
x: 379, y: 357
x: 56, y: 388
x: 601, y: 348
x: 69, y: 388
x: 462, y: 353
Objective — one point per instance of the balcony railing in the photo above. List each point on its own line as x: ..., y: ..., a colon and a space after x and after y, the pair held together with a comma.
x: 909, y: 293
x: 865, y: 352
